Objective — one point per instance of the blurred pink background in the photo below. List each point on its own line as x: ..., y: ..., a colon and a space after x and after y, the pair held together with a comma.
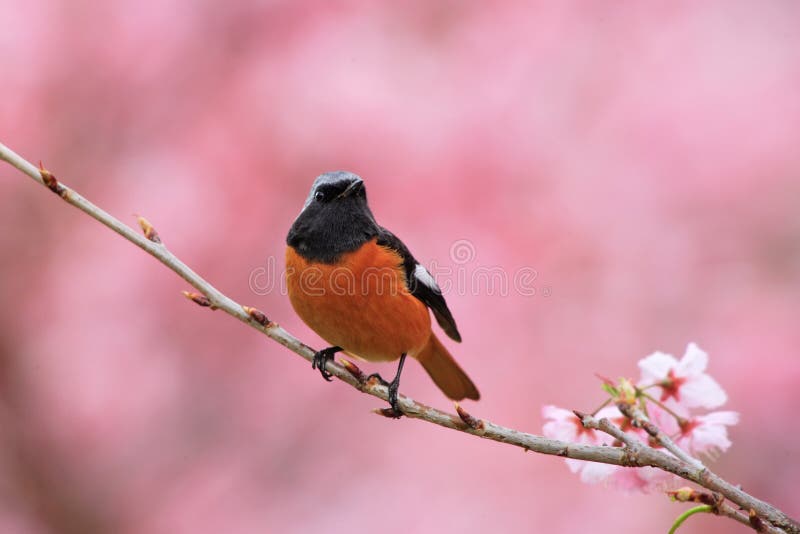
x: 642, y: 159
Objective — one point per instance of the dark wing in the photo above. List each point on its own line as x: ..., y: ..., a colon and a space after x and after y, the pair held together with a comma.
x: 421, y: 284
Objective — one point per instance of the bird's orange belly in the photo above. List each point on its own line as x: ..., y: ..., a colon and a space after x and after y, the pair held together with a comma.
x: 360, y: 303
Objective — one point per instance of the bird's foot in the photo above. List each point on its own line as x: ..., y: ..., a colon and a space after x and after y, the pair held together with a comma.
x: 393, y: 386
x: 321, y: 358
x: 393, y: 412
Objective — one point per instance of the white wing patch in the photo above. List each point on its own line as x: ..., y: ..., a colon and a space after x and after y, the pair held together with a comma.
x: 423, y: 276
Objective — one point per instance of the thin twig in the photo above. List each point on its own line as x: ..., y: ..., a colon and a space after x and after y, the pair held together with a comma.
x: 633, y: 454
x: 637, y: 449
x: 634, y: 447
x: 635, y: 414
x: 726, y: 510
x: 717, y: 505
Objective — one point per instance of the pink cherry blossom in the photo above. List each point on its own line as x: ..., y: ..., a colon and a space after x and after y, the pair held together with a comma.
x: 564, y: 425
x: 594, y: 472
x: 644, y: 479
x: 684, y: 384
x: 685, y: 381
x: 708, y: 434
x: 664, y: 420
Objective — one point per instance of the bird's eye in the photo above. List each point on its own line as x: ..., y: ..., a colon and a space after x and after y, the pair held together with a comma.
x: 319, y: 196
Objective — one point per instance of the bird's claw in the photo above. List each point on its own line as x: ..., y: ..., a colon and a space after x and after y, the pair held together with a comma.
x: 320, y: 360
x: 393, y: 386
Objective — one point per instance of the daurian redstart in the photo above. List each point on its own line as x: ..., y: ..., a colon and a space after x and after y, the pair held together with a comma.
x: 358, y: 286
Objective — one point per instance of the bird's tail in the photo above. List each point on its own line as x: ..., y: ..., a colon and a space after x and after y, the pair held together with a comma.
x: 445, y: 372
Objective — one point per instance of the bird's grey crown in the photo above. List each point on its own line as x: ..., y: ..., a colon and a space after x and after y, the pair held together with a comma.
x: 333, y: 177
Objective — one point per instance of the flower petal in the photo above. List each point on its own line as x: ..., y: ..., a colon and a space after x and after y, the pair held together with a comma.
x: 594, y: 472
x: 663, y: 419
x: 560, y: 430
x: 554, y: 412
x: 656, y: 367
x: 707, y: 439
x: 710, y: 432
x: 694, y: 361
x: 702, y: 391
x: 562, y: 424
x: 721, y: 418
x: 653, y: 479
x: 627, y: 479
x: 575, y: 465
x: 609, y: 412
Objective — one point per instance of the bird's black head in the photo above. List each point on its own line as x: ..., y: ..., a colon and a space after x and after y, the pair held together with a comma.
x: 335, y: 218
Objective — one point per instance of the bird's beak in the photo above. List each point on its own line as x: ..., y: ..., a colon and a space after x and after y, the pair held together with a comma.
x: 355, y: 187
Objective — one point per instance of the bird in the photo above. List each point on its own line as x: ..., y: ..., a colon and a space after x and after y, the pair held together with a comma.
x: 360, y: 289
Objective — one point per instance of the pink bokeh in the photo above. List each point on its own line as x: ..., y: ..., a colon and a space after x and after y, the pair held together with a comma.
x: 640, y: 157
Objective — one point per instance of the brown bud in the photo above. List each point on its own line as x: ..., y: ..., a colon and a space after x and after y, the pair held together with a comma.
x: 684, y: 494
x: 149, y: 232
x: 755, y: 521
x: 50, y: 181
x: 257, y: 315
x: 711, y: 499
x: 351, y: 368
x: 472, y: 422
x: 197, y: 298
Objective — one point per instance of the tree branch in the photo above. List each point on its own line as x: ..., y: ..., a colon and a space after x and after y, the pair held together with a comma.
x: 635, y: 414
x: 633, y: 454
x: 717, y: 505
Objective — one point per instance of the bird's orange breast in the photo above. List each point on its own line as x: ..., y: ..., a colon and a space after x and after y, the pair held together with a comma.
x: 360, y: 303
